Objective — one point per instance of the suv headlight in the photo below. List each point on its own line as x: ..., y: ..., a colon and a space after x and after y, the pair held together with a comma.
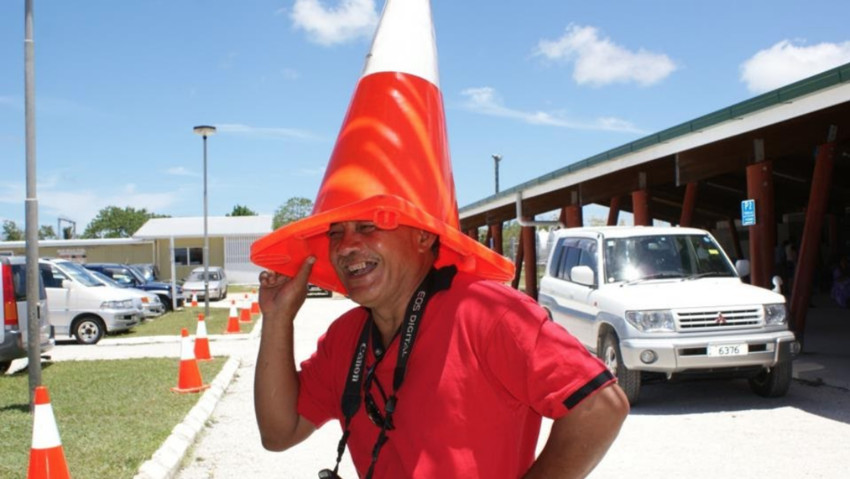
x: 126, y: 304
x: 775, y: 314
x: 651, y: 321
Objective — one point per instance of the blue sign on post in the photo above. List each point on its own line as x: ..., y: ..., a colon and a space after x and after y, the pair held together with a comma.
x: 748, y: 213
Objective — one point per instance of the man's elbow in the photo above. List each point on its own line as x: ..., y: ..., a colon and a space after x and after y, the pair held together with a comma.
x: 275, y: 443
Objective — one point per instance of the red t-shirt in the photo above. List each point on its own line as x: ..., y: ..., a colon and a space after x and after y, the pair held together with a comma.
x: 486, y: 364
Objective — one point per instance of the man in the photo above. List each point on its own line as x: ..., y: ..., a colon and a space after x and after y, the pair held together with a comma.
x: 381, y: 269
x: 443, y: 371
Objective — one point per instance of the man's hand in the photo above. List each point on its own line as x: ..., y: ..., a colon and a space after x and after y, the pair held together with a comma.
x: 282, y: 296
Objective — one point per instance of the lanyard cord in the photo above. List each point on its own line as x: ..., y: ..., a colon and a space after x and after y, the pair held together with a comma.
x: 436, y: 280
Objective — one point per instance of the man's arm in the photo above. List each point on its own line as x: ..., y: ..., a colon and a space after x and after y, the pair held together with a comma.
x: 276, y: 380
x: 579, y: 440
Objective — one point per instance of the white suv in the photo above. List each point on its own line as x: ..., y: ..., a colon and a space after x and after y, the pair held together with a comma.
x: 666, y: 300
x: 81, y: 306
x: 13, y: 317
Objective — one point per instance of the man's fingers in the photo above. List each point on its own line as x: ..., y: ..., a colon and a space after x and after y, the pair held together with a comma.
x: 304, y: 271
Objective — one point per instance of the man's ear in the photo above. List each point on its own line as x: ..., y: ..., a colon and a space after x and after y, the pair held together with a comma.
x: 426, y: 240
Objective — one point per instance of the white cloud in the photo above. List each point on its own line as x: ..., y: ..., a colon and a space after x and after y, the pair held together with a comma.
x: 327, y: 26
x: 265, y: 132
x: 82, y: 205
x: 599, y: 61
x: 785, y: 63
x: 485, y: 100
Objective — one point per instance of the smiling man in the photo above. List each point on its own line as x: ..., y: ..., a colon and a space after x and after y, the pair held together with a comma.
x: 443, y: 371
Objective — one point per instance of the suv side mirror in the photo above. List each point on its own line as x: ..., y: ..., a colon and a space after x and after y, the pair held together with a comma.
x: 582, y: 275
x: 743, y: 267
x: 67, y: 284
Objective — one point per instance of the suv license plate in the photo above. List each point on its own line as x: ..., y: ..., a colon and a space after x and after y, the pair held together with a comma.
x: 728, y: 349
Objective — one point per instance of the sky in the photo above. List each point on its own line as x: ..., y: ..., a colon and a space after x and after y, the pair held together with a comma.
x: 119, y: 87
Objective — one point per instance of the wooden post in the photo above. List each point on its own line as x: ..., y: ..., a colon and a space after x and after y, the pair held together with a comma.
x: 640, y: 207
x: 529, y: 241
x: 688, y: 205
x: 807, y: 256
x: 613, y: 211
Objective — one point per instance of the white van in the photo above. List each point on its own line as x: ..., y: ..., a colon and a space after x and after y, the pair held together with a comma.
x: 666, y: 301
x: 82, y: 307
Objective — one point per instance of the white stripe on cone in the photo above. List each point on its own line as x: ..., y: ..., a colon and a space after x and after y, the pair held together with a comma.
x: 201, y: 332
x: 405, y: 41
x: 187, y: 352
x: 45, y: 434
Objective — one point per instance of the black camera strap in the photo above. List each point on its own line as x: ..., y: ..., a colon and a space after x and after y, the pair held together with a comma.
x: 435, y: 281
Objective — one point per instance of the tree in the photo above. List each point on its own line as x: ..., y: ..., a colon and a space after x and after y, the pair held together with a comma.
x: 240, y: 210
x: 11, y: 232
x: 294, y: 209
x: 115, y: 222
x: 46, y: 232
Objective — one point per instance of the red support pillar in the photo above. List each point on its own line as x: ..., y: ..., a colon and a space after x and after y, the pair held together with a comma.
x: 640, y: 207
x: 496, y: 237
x: 736, y: 241
x: 613, y: 211
x: 472, y: 233
x: 688, y: 205
x: 529, y: 242
x: 763, y: 233
x: 807, y: 256
x: 572, y: 216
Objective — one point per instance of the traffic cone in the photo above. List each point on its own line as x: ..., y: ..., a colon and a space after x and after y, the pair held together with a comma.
x: 189, y: 378
x: 255, y: 307
x: 194, y: 300
x: 202, y: 343
x: 232, y: 320
x: 390, y: 164
x: 245, y: 314
x: 47, y: 458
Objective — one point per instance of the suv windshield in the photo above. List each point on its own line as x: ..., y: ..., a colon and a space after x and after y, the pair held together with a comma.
x: 664, y: 256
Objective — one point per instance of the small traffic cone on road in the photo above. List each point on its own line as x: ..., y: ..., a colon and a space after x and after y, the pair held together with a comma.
x: 232, y: 320
x: 47, y: 458
x: 194, y: 300
x: 255, y: 306
x: 202, y: 343
x: 189, y: 378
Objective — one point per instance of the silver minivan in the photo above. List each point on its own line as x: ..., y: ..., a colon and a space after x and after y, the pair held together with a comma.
x: 14, y: 332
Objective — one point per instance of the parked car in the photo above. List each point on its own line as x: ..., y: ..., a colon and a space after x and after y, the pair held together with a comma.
x: 14, y: 332
x: 128, y: 276
x: 666, y: 302
x: 148, y: 303
x: 80, y: 306
x: 194, y: 283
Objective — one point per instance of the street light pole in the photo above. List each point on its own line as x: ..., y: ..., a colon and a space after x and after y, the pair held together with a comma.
x: 496, y: 160
x: 205, y: 131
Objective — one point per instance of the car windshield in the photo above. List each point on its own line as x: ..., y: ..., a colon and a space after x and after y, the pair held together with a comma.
x: 199, y: 276
x: 140, y: 274
x: 664, y: 256
x: 107, y: 280
x: 80, y: 274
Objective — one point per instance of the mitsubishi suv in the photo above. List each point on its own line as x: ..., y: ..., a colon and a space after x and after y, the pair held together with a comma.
x: 656, y: 302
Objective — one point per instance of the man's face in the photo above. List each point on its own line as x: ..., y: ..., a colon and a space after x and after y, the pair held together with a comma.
x: 378, y: 267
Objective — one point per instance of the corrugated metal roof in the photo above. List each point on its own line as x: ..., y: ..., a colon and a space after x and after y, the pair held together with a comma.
x: 193, y: 227
x: 809, y: 86
x: 76, y: 242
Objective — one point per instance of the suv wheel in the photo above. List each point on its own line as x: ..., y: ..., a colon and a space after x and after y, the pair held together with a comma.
x: 88, y: 330
x: 773, y: 382
x: 628, y: 380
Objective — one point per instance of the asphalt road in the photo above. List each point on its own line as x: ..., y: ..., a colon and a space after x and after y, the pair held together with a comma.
x: 707, y: 429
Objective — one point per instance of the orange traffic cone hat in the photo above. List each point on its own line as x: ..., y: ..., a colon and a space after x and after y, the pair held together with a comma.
x: 202, y: 342
x: 391, y: 161
x: 189, y: 376
x: 47, y: 458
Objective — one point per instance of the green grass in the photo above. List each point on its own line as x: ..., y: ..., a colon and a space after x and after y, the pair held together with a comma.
x: 171, y: 323
x: 112, y: 415
x: 241, y: 288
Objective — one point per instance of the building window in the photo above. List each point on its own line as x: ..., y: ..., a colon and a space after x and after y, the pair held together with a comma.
x: 188, y: 256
